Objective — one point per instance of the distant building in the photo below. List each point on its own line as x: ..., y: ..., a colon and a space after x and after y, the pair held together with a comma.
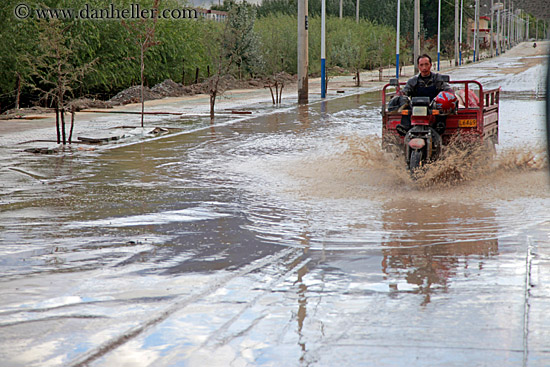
x: 484, y: 33
x: 216, y: 15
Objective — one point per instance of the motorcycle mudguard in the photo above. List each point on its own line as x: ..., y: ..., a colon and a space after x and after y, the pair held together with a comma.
x: 432, y: 148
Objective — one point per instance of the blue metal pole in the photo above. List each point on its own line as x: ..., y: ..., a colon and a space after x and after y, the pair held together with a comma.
x: 476, y: 28
x: 323, y: 57
x: 397, y: 66
x: 460, y: 42
x: 438, y: 34
x: 323, y: 79
x: 397, y: 40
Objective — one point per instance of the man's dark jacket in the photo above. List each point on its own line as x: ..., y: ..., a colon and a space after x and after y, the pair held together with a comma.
x: 420, y: 86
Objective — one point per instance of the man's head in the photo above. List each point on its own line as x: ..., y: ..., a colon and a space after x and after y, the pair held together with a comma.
x: 424, y: 63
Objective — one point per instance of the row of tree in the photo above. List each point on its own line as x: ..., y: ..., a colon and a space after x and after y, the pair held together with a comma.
x: 102, y: 57
x: 99, y: 58
x: 379, y: 12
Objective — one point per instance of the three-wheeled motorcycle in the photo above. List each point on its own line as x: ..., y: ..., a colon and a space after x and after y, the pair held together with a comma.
x: 473, y: 120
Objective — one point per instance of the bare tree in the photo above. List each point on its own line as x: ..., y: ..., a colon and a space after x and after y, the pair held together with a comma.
x: 215, y: 83
x: 277, y: 81
x: 52, y: 69
x: 143, y: 33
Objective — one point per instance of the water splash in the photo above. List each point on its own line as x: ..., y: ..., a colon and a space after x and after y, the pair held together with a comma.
x: 459, y: 164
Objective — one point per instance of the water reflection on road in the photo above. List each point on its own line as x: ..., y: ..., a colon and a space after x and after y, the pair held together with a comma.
x: 430, y: 249
x: 267, y: 242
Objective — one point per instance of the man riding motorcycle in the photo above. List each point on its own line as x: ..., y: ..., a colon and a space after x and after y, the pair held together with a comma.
x: 425, y: 84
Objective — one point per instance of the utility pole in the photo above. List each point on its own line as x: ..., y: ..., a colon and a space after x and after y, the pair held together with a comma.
x: 492, y: 34
x: 505, y: 25
x: 510, y: 26
x: 510, y: 9
x: 514, y: 26
x: 357, y: 11
x: 498, y: 29
x: 521, y: 27
x: 456, y: 32
x: 416, y: 35
x: 527, y: 29
x: 518, y: 26
x: 302, y: 52
x: 341, y: 8
x: 476, y: 32
x: 522, y: 24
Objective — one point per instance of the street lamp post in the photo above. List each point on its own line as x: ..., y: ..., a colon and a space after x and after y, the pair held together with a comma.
x: 416, y: 35
x: 397, y: 39
x: 323, y: 58
x: 492, y: 34
x: 476, y: 30
x: 438, y: 34
x: 457, y: 45
x: 302, y: 52
x: 460, y: 42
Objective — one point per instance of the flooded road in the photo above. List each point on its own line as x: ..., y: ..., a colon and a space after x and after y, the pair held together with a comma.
x: 287, y: 239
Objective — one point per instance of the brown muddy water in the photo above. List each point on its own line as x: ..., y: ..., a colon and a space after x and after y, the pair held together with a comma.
x: 288, y: 239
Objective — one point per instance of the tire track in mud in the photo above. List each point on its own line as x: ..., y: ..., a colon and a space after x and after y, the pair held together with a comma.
x: 220, y: 337
x: 225, y: 340
x: 290, y: 256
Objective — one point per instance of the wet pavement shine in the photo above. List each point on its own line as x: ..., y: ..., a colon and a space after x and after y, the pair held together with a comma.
x: 285, y: 238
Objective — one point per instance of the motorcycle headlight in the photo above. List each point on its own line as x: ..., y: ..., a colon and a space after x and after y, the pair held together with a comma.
x: 420, y: 111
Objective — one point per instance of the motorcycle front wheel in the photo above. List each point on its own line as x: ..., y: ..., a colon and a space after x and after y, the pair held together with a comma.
x: 416, y: 158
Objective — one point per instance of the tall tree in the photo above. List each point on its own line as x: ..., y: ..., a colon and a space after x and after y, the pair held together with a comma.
x: 241, y: 42
x: 143, y: 33
x: 239, y: 45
